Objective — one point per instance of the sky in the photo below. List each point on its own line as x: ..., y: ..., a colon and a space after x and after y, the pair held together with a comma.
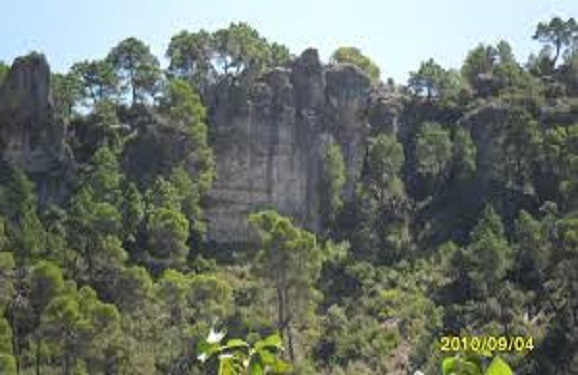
x: 396, y: 34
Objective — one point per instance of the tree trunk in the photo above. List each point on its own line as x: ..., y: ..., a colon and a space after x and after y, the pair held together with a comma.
x: 37, y: 359
x: 280, y: 310
x: 290, y: 343
x: 558, y: 48
x: 15, y: 344
x: 288, y: 329
x: 132, y: 86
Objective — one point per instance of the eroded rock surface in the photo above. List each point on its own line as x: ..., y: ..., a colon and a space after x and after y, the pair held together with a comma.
x: 30, y: 137
x: 268, y: 154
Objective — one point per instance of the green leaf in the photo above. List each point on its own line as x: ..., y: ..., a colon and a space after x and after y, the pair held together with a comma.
x: 459, y: 366
x: 235, y: 344
x: 280, y: 367
x: 499, y: 367
x: 266, y: 356
x: 206, y: 350
x: 273, y: 341
x: 449, y: 365
x: 256, y: 367
x: 227, y: 365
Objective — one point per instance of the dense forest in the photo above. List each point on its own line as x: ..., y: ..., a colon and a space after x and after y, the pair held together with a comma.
x: 462, y: 221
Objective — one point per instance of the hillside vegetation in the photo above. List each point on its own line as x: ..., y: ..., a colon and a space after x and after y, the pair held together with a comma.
x: 464, y: 221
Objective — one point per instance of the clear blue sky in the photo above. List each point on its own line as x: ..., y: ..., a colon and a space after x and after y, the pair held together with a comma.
x: 397, y: 34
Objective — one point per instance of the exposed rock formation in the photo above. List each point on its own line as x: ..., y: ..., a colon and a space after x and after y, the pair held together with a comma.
x: 269, y: 138
x: 269, y: 151
x: 485, y: 124
x: 30, y: 136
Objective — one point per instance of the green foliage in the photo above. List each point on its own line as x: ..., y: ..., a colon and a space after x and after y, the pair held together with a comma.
x: 471, y: 365
x: 98, y: 80
x: 384, y: 162
x: 237, y: 357
x: 203, y: 58
x: 190, y: 57
x: 433, y: 81
x: 291, y: 260
x: 433, y: 150
x: 3, y: 71
x: 492, y: 71
x: 137, y: 68
x: 7, y: 364
x: 464, y: 153
x: 558, y: 34
x: 133, y: 211
x: 488, y: 252
x: 167, y: 231
x: 353, y: 55
x: 67, y: 91
x: 23, y: 228
x: 333, y: 179
x: 186, y: 112
x: 460, y: 220
x: 7, y: 266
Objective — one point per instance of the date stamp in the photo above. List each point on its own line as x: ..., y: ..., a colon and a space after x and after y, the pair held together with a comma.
x: 486, y: 343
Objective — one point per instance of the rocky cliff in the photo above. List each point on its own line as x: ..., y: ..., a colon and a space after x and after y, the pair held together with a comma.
x: 270, y: 146
x: 269, y: 137
x: 30, y: 136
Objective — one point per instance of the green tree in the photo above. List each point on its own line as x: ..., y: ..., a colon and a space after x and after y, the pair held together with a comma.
x: 228, y: 55
x: 98, y: 80
x: 168, y: 231
x: 190, y: 198
x: 353, y: 55
x: 333, y: 179
x: 433, y: 152
x: 557, y: 33
x: 163, y: 194
x: 531, y: 253
x: 240, y: 49
x: 133, y: 211
x: 433, y: 81
x: 95, y: 231
x: 561, y: 159
x: 67, y: 92
x: 385, y: 159
x: 137, y: 68
x: 478, y: 69
x: 521, y: 148
x: 7, y: 360
x: 191, y: 56
x: 186, y: 113
x: 46, y: 284
x: 7, y: 267
x: 79, y: 329
x: 290, y: 259
x: 464, y: 153
x: 484, y: 263
x: 280, y: 55
x: 105, y: 177
x: 24, y: 230
x: 381, y: 233
x: 3, y: 71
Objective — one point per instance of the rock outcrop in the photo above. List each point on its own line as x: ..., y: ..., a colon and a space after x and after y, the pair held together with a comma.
x: 485, y: 124
x: 269, y: 137
x: 269, y: 150
x: 30, y: 136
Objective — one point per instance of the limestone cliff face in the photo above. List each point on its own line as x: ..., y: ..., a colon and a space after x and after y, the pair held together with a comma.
x: 486, y: 124
x: 269, y: 149
x: 30, y: 136
x: 269, y: 138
